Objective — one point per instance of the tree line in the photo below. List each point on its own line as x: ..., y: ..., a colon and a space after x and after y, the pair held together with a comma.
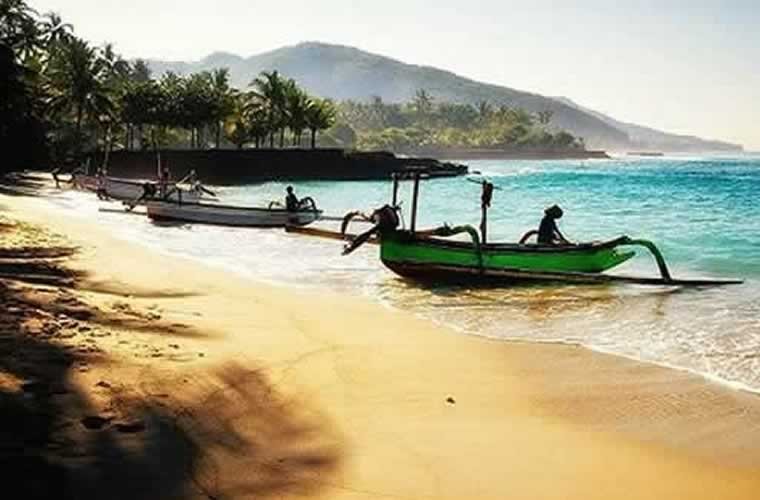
x: 63, y: 97
x: 204, y: 110
x: 423, y: 122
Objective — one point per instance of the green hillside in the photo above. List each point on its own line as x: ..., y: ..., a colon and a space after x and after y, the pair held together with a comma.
x: 343, y: 73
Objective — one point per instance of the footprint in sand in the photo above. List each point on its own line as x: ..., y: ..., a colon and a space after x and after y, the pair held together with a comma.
x: 130, y: 427
x: 95, y: 422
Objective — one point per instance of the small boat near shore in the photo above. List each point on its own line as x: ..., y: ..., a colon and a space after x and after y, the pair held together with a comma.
x: 128, y: 190
x: 428, y: 256
x: 228, y: 215
x: 646, y: 154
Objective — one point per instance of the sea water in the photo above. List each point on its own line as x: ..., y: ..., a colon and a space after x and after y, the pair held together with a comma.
x: 702, y: 212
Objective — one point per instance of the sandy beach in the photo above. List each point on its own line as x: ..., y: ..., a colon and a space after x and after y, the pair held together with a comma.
x: 131, y: 374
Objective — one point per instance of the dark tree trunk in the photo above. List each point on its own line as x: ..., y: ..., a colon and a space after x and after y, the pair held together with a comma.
x: 282, y: 138
x: 218, y: 134
x: 271, y: 140
x: 107, y: 147
x: 313, y: 138
x: 79, y: 129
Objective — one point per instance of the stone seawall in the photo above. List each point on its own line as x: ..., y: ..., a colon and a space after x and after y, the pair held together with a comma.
x: 260, y: 165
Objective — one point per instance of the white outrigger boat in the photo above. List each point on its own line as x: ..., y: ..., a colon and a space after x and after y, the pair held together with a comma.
x: 227, y: 215
x: 128, y: 190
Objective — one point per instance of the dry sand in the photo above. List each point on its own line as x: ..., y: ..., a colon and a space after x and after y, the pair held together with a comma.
x: 145, y: 376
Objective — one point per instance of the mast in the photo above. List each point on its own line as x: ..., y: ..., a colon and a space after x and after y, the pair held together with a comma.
x: 485, y: 204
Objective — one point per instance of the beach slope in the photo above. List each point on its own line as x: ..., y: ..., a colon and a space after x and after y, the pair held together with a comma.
x: 238, y: 389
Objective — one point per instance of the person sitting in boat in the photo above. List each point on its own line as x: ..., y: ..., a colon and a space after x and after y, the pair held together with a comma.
x: 292, y: 203
x: 548, y: 232
x: 195, y: 183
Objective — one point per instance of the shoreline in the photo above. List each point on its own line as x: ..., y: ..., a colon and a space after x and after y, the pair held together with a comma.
x: 225, y: 267
x: 516, y: 154
x: 538, y: 397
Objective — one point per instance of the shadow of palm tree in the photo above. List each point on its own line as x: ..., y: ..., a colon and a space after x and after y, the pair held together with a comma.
x: 20, y: 184
x: 223, y: 434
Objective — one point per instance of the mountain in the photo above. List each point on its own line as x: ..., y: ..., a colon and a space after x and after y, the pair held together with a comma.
x: 648, y: 139
x: 341, y: 72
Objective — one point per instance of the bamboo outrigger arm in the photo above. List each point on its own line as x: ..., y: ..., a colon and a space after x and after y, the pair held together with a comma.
x: 661, y: 264
x: 447, y: 230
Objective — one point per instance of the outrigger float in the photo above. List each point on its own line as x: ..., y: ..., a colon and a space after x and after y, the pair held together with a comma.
x: 426, y: 255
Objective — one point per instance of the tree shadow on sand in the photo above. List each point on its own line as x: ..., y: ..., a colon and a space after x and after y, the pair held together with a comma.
x: 20, y: 184
x: 221, y: 434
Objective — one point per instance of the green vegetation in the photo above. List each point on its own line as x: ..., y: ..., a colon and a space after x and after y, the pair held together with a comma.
x: 424, y: 124
x: 65, y: 98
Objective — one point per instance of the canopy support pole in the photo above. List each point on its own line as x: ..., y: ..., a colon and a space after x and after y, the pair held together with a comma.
x: 394, y: 203
x: 415, y: 197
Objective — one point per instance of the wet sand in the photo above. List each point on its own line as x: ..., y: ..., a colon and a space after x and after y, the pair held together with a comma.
x: 127, y: 374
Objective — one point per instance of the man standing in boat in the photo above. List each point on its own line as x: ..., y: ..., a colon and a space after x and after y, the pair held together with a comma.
x: 548, y: 232
x: 163, y: 182
x: 101, y: 183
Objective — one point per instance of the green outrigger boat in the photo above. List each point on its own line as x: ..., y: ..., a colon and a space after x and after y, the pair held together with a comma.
x: 427, y: 255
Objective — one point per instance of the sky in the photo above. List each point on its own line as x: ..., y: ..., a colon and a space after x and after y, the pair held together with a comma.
x: 683, y: 66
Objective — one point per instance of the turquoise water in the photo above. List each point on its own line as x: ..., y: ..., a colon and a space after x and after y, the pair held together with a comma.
x: 702, y: 212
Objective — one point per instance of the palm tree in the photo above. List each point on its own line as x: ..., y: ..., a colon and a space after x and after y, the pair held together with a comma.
x: 423, y: 102
x: 269, y: 87
x: 55, y: 30
x: 296, y: 102
x: 257, y: 117
x: 485, y: 109
x: 320, y: 115
x: 224, y: 95
x: 117, y: 73
x: 545, y: 117
x: 237, y: 126
x: 196, y: 105
x: 19, y: 29
x: 76, y: 84
x: 115, y: 66
x: 140, y: 71
x: 237, y: 132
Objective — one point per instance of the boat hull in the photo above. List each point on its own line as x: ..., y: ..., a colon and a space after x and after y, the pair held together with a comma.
x: 438, y: 260
x: 225, y: 215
